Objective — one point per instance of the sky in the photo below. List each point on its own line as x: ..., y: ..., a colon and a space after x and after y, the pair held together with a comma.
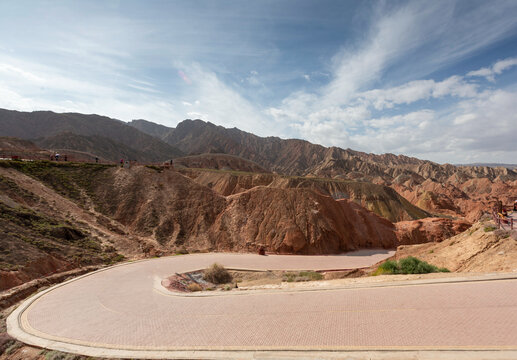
x: 432, y: 79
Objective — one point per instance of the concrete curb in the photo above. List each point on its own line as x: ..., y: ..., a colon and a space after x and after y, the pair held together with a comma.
x: 158, y: 287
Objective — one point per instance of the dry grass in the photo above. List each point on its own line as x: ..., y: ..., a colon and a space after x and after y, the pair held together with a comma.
x: 217, y: 274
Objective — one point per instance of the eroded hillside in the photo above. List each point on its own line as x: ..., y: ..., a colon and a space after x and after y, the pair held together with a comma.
x: 380, y: 199
x: 72, y: 214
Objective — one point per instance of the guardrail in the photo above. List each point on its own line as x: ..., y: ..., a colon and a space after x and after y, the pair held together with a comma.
x: 501, y: 222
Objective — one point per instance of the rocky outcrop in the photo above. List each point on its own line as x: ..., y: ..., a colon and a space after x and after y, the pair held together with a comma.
x: 297, y: 221
x: 428, y: 230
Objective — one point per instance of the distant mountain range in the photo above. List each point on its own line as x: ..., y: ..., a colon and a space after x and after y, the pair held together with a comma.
x: 493, y: 165
x: 149, y: 142
x: 95, y: 134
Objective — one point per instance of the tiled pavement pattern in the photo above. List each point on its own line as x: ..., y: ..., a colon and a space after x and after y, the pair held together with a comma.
x: 118, y: 308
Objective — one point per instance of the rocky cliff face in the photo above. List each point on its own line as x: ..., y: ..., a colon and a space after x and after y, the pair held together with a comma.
x: 173, y: 211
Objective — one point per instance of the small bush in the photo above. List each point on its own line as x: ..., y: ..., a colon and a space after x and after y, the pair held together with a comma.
x: 193, y: 287
x: 387, y: 267
x: 489, y: 228
x: 217, y: 274
x: 409, y: 265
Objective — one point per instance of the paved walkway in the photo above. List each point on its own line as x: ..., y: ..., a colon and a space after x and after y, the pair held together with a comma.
x: 118, y: 312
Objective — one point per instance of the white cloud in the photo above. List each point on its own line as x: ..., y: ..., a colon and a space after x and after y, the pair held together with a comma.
x: 222, y: 104
x: 503, y: 65
x: 496, y: 69
x: 419, y: 90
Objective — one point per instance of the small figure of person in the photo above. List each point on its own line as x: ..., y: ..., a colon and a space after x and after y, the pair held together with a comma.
x: 66, y: 158
x: 57, y: 157
x: 121, y: 162
x: 504, y: 213
x: 96, y: 160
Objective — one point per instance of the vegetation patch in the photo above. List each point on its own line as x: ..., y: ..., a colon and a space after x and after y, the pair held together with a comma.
x: 67, y: 178
x: 409, y: 265
x: 217, y: 274
x: 302, y: 276
x: 489, y: 228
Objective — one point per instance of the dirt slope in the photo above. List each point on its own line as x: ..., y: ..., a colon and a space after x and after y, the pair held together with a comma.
x: 478, y: 249
x: 219, y: 162
x: 74, y: 214
x: 42, y: 233
x: 380, y: 199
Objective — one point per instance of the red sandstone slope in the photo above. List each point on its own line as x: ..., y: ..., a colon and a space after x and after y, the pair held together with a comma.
x: 382, y: 200
x: 177, y: 212
x: 297, y: 221
x: 468, y: 199
x: 102, y: 210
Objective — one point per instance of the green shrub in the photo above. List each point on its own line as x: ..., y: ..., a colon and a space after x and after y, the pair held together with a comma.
x: 388, y: 267
x: 409, y: 265
x: 489, y: 228
x: 217, y: 274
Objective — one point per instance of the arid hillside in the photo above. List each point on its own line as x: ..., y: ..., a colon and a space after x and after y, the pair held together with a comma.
x: 464, y: 191
x: 150, y: 128
x: 380, y: 199
x: 439, y: 189
x: 103, y: 147
x: 219, y: 162
x: 65, y: 215
x: 42, y: 232
x: 482, y: 248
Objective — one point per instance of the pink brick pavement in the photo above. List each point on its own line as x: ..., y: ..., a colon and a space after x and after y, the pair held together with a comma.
x: 119, y: 308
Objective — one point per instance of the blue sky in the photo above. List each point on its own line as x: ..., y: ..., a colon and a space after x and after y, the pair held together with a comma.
x: 431, y: 79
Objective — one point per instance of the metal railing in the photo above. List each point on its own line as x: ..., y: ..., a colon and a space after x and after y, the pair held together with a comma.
x: 502, y: 221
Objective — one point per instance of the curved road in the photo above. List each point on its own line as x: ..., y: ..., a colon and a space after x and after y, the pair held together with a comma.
x: 121, y: 312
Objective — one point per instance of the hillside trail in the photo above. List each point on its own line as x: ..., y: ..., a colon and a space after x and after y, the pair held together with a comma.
x: 109, y: 232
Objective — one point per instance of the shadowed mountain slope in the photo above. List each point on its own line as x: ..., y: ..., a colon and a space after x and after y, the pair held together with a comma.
x: 382, y: 200
x: 40, y: 124
x: 219, y: 162
x: 302, y: 158
x: 102, y: 147
x: 150, y: 128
